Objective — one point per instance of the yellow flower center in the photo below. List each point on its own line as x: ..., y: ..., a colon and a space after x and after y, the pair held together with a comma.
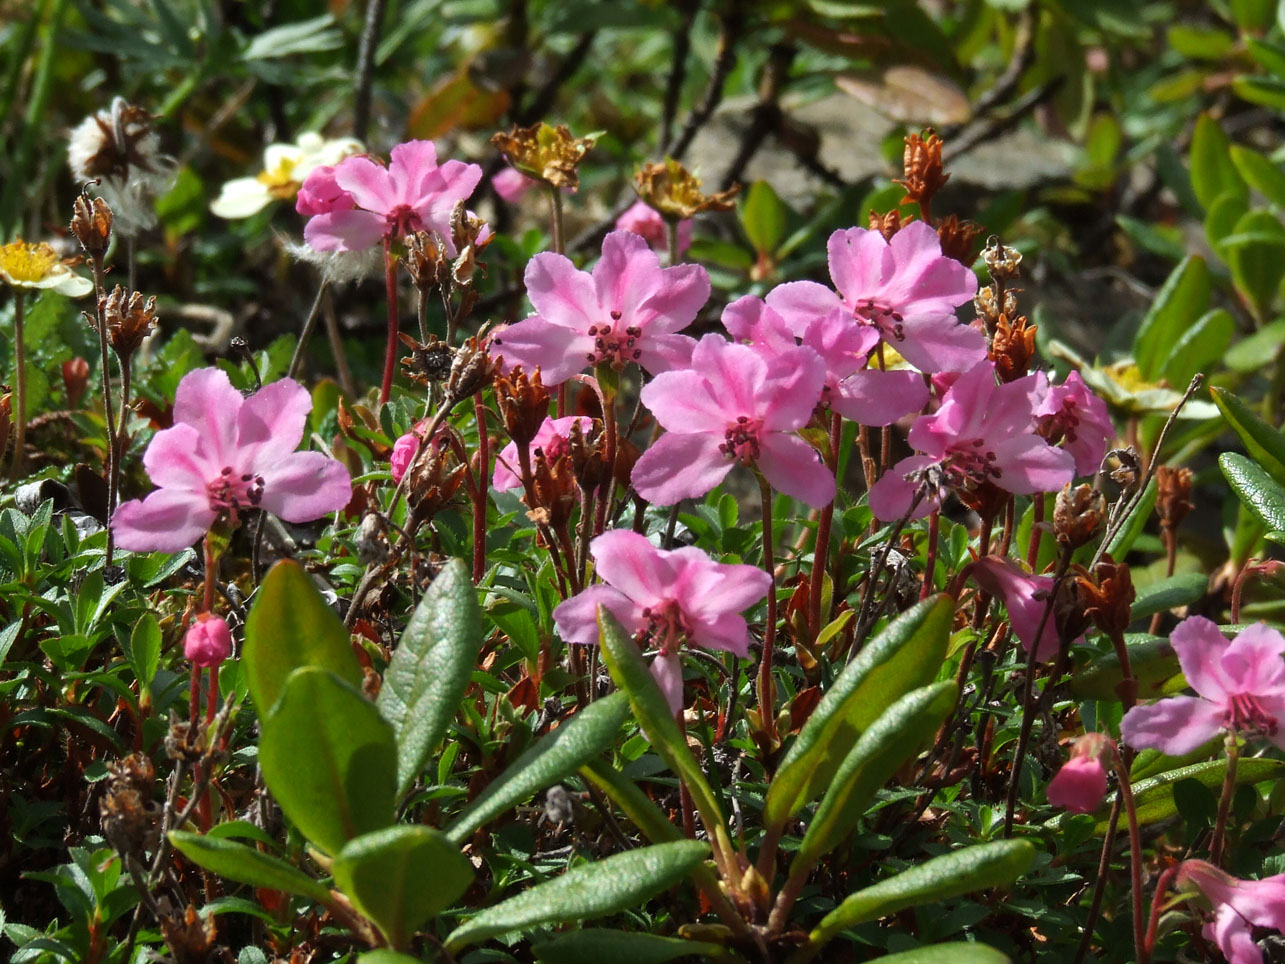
x: 27, y: 262
x: 280, y: 180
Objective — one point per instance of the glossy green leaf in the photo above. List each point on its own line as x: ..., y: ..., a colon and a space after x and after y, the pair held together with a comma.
x: 597, y: 946
x: 1212, y: 170
x: 145, y: 648
x: 246, y: 865
x: 1182, y: 299
x: 629, y: 669
x: 1259, y: 492
x: 1247, y: 354
x: 401, y: 877
x: 1264, y: 444
x: 1182, y: 589
x: 964, y: 871
x: 1268, y: 91
x: 896, y: 736
x: 1259, y: 173
x: 906, y: 655
x: 629, y: 797
x: 763, y: 216
x: 1151, y: 658
x: 1154, y: 798
x: 953, y: 952
x: 1200, y: 347
x: 620, y: 882
x: 329, y: 758
x: 1222, y: 215
x: 290, y: 626
x: 1255, y: 252
x: 431, y: 668
x: 1270, y: 56
x: 553, y: 757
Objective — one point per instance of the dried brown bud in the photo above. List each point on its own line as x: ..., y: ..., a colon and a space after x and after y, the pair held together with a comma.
x: 470, y: 235
x: 554, y: 485
x: 1012, y: 348
x: 676, y: 193
x: 886, y: 224
x: 91, y: 223
x: 1078, y: 514
x: 921, y: 160
x: 75, y: 378
x: 472, y: 370
x: 129, y: 320
x: 523, y: 403
x: 1003, y: 262
x: 586, y: 455
x: 191, y: 940
x: 434, y: 476
x: 548, y: 154
x: 1107, y: 594
x: 959, y: 239
x: 128, y: 809
x: 1128, y: 471
x: 427, y: 261
x: 1173, y: 496
x: 431, y: 362
x: 988, y: 307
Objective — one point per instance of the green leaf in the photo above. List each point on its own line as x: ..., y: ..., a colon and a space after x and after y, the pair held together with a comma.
x: 431, y: 668
x: 1222, y: 215
x: 1183, y: 298
x: 145, y: 648
x: 1255, y: 253
x: 620, y: 882
x: 1154, y: 797
x: 1265, y: 444
x: 629, y: 797
x: 1259, y: 173
x: 329, y: 758
x: 1151, y: 658
x: 628, y: 668
x: 401, y: 877
x: 1212, y: 170
x: 763, y: 216
x: 596, y: 945
x: 1270, y: 56
x: 952, y: 952
x: 385, y: 956
x: 303, y: 37
x: 972, y: 868
x: 1247, y: 354
x: 290, y: 626
x: 1200, y: 347
x: 906, y: 655
x: 554, y: 756
x: 1260, y: 493
x: 1268, y: 91
x: 1181, y: 590
x: 896, y: 736
x: 1200, y: 43
x: 246, y: 865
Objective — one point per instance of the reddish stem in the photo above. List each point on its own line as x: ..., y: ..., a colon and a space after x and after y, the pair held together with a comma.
x: 390, y: 352
x: 483, y: 488
x: 934, y: 530
x: 821, y: 553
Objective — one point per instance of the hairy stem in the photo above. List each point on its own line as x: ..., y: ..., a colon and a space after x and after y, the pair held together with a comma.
x: 390, y: 352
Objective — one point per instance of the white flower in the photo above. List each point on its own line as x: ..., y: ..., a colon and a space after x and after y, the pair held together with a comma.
x: 119, y: 149
x: 284, y: 168
x: 26, y: 265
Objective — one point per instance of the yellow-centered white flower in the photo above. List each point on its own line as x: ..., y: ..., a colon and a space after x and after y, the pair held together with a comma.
x: 24, y: 265
x: 284, y: 168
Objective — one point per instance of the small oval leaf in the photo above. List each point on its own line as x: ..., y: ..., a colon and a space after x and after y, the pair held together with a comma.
x: 246, y: 865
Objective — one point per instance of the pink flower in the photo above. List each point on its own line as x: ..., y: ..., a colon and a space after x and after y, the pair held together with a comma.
x: 412, y: 194
x: 320, y: 194
x: 512, y: 185
x: 982, y: 432
x: 1240, y: 686
x: 1239, y: 906
x: 628, y: 310
x: 733, y: 405
x: 664, y: 598
x: 906, y: 290
x: 1081, y: 784
x: 864, y: 395
x: 1025, y: 597
x: 551, y: 439
x: 643, y: 219
x: 225, y: 455
x: 208, y: 642
x: 1072, y: 414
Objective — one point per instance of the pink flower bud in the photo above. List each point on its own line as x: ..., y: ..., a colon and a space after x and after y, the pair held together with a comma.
x: 1081, y: 784
x: 404, y: 450
x: 321, y: 194
x: 209, y: 641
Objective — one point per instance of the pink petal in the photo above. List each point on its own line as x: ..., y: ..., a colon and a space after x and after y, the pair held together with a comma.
x: 891, y: 497
x: 506, y: 478
x: 455, y: 181
x: 350, y: 230
x: 562, y: 295
x: 168, y: 520
x: 1200, y: 647
x: 411, y: 164
x: 873, y: 397
x: 577, y: 618
x: 1253, y: 661
x: 174, y: 459
x: 1175, y: 726
x: 684, y: 401
x: 557, y: 351
x: 791, y: 389
x: 273, y: 418
x: 727, y: 632
x: 665, y: 353
x: 304, y: 486
x: 627, y: 274
x: 207, y: 401
x: 678, y: 467
x: 736, y: 374
x: 1026, y: 598
x: 1079, y: 786
x: 674, y: 305
x: 802, y: 302
x: 935, y: 343
x: 1234, y: 935
x: 627, y: 561
x: 512, y: 185
x: 794, y: 467
x: 1029, y: 464
x: 925, y: 279
x: 709, y: 588
x: 667, y: 671
x: 370, y: 185
x: 749, y: 319
x: 860, y: 262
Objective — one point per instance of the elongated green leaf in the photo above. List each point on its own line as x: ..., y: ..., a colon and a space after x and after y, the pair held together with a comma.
x: 246, y: 865
x: 1265, y: 444
x: 1181, y: 590
x: 1212, y: 170
x: 1183, y: 298
x: 1200, y: 347
x: 291, y: 626
x: 1151, y: 658
x: 431, y: 668
x: 1255, y: 252
x: 972, y: 868
x: 1260, y: 493
x: 553, y: 757
x: 629, y: 797
x: 620, y: 882
x: 596, y: 946
x: 954, y: 952
x: 385, y: 956
x: 906, y: 655
x: 900, y: 732
x: 329, y: 759
x: 763, y: 215
x: 400, y: 877
x: 628, y: 668
x: 1154, y: 799
x: 1259, y: 173
x: 145, y: 649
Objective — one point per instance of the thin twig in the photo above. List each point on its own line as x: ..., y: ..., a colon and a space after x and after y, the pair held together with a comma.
x: 366, y: 68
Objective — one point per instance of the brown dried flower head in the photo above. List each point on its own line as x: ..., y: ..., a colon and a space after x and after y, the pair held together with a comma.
x: 1012, y: 348
x: 427, y: 261
x: 1003, y: 262
x: 471, y: 235
x: 191, y: 940
x: 585, y: 452
x: 886, y: 224
x: 473, y: 369
x: 427, y: 362
x: 959, y: 239
x: 128, y: 811
x: 1107, y: 594
x: 554, y: 484
x: 129, y: 320
x: 524, y: 404
x: 109, y: 143
x: 921, y: 161
x: 548, y: 154
x: 675, y: 192
x: 1078, y: 514
x: 988, y: 306
x: 1173, y: 496
x: 434, y: 477
x: 91, y: 223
